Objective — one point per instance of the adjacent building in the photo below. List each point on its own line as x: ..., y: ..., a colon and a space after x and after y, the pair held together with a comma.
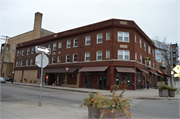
x: 98, y: 55
x: 175, y: 54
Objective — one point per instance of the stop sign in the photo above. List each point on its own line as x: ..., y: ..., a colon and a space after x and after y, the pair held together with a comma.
x: 38, y: 60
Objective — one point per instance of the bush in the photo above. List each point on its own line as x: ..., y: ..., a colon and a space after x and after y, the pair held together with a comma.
x: 172, y: 89
x: 116, y: 103
x: 115, y: 86
x: 163, y: 87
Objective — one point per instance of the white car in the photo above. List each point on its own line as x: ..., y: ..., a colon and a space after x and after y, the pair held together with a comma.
x: 2, y: 80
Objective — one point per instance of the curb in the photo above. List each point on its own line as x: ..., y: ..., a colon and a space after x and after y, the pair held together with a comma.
x: 157, y: 98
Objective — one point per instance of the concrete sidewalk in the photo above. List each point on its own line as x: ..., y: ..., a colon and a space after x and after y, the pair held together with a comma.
x: 152, y: 94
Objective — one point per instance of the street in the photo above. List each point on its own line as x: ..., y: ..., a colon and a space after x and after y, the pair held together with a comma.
x: 21, y: 102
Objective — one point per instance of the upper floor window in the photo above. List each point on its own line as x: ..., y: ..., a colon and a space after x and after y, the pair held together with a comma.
x: 140, y: 44
x: 59, y: 59
x: 32, y: 50
x: 124, y: 54
x: 108, y: 36
x: 123, y: 36
x: 135, y: 39
x: 22, y: 52
x: 68, y: 44
x: 140, y: 58
x: 67, y: 58
x: 75, y: 43
x: 107, y: 53
x: 99, y: 38
x: 16, y: 63
x: 28, y: 51
x: 153, y: 65
x: 150, y: 63
x: 87, y: 56
x: 53, y: 60
x: 149, y: 49
x: 54, y: 46
x: 49, y: 46
x: 18, y: 53
x: 144, y: 46
x: 60, y: 45
x: 74, y: 57
x: 99, y: 55
x: 135, y: 55
x: 87, y: 40
x: 153, y: 52
x: 21, y: 62
x: 27, y: 62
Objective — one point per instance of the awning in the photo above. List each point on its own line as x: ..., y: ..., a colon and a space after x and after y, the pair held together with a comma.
x: 93, y: 69
x: 155, y: 73
x: 61, y: 70
x: 143, y: 70
x: 125, y: 69
x: 159, y: 72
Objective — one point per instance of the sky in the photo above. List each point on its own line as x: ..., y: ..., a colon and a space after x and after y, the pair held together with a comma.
x: 159, y: 19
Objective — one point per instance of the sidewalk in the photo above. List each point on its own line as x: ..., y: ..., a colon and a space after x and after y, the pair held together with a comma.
x: 152, y: 94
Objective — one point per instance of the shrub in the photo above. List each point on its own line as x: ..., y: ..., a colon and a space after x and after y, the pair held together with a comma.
x: 163, y: 87
x: 116, y: 103
x: 115, y: 86
x: 30, y: 81
x: 34, y: 81
x: 172, y: 89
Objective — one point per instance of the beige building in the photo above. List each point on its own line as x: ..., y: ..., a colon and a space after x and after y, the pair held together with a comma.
x: 9, y: 57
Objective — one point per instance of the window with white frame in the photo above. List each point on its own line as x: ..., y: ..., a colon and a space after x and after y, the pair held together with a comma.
x: 99, y: 55
x: 135, y: 55
x: 87, y: 56
x: 27, y: 62
x: 153, y: 64
x: 87, y: 40
x: 60, y: 45
x: 150, y: 63
x: 22, y: 52
x: 49, y: 46
x: 67, y: 58
x: 135, y: 38
x: 16, y: 63
x: 31, y: 62
x: 140, y: 44
x: 68, y: 45
x: 107, y: 53
x: 108, y: 35
x: 75, y: 44
x: 124, y: 54
x: 140, y: 58
x: 54, y: 46
x: 99, y: 38
x: 17, y: 53
x: 144, y: 46
x: 74, y: 57
x: 32, y: 50
x: 59, y: 59
x: 28, y: 51
x: 123, y: 36
x: 145, y: 63
x: 149, y: 49
x: 53, y: 60
x: 21, y: 62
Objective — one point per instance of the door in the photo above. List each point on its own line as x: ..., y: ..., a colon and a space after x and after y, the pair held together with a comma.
x: 88, y: 81
x: 123, y: 82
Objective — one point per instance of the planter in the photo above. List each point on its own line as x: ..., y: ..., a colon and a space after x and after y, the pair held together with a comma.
x: 171, y: 93
x: 94, y: 114
x: 163, y: 93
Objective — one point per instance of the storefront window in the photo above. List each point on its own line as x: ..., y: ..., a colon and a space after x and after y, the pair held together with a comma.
x: 117, y: 79
x: 72, y: 79
x: 128, y: 80
x: 87, y: 73
x: 102, y: 73
x: 138, y: 80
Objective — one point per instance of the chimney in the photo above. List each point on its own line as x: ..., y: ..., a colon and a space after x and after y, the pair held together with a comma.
x: 37, y: 25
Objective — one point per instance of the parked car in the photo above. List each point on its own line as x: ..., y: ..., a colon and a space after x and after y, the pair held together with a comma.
x: 9, y: 79
x: 2, y: 80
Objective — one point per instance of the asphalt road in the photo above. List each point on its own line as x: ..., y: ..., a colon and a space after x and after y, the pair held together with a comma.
x: 69, y: 102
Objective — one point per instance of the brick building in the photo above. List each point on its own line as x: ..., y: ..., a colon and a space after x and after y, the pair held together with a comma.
x: 98, y: 55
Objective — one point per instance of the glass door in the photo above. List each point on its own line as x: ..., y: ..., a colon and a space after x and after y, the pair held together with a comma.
x: 123, y: 82
x: 88, y: 81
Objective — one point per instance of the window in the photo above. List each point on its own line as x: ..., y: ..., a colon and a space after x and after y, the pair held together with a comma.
x: 53, y: 60
x: 22, y: 52
x: 14, y: 48
x: 135, y: 39
x: 107, y: 53
x: 21, y: 62
x: 32, y: 50
x: 153, y: 65
x: 75, y: 43
x: 74, y: 57
x: 150, y: 63
x: 49, y: 46
x: 87, y: 56
x: 145, y: 63
x: 59, y: 59
x: 54, y: 46
x: 60, y: 45
x: 68, y: 44
x: 153, y: 52
x: 144, y: 46
x: 123, y: 54
x: 31, y: 63
x: 140, y: 43
x: 67, y: 58
x: 108, y: 36
x: 123, y: 36
x: 149, y: 49
x: 99, y: 38
x: 17, y: 53
x: 135, y: 55
x: 27, y: 62
x: 87, y: 40
x: 16, y: 63
x: 140, y: 58
x: 162, y: 59
x: 99, y: 55
x: 28, y: 51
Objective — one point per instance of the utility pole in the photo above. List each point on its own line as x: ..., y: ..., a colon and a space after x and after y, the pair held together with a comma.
x: 3, y: 53
x: 172, y: 82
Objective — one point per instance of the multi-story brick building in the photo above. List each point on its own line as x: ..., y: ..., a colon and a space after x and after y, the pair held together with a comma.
x: 175, y: 54
x: 98, y: 55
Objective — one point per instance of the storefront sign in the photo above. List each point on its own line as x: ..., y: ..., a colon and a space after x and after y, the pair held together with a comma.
x: 146, y: 59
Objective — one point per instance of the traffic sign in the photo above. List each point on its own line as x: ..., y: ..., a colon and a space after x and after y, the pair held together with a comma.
x: 45, y: 60
x: 40, y: 49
